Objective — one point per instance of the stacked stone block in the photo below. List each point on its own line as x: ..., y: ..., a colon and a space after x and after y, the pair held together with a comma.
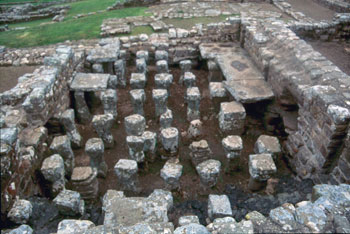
x: 170, y: 140
x: 103, y: 125
x: 162, y: 66
x: 215, y: 75
x: 193, y: 98
x: 233, y: 146
x: 232, y: 117
x: 185, y: 66
x: 84, y: 180
x: 67, y: 119
x: 119, y: 68
x: 138, y: 99
x: 163, y: 80
x: 82, y: 108
x: 69, y: 203
x: 160, y: 98
x: 200, y: 152
x: 150, y: 143
x: 166, y: 119
x: 136, y: 148
x: 109, y: 100
x: 21, y: 211
x: 126, y: 171
x: 53, y: 171
x: 61, y: 145
x: 269, y: 145
x: 138, y: 81
x: 209, y: 172
x: 195, y: 129
x: 261, y: 167
x: 219, y: 206
x: 161, y: 55
x: 94, y: 148
x: 171, y: 173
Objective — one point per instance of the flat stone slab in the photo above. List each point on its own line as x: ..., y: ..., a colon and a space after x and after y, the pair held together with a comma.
x: 90, y: 82
x: 103, y: 55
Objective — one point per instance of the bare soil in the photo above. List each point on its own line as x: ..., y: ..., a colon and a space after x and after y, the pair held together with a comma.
x: 336, y: 52
x: 10, y: 75
x: 312, y: 9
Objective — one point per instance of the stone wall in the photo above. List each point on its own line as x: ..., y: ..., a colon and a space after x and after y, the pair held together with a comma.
x: 336, y: 5
x: 303, y: 77
x: 25, y: 110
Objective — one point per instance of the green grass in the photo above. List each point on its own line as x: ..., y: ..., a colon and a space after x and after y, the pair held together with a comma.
x: 13, y: 1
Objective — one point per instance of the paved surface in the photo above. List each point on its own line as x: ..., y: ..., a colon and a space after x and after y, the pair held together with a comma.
x: 90, y: 82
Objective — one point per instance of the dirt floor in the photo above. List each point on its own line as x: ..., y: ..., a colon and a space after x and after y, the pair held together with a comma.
x: 10, y: 75
x: 312, y: 9
x: 336, y: 52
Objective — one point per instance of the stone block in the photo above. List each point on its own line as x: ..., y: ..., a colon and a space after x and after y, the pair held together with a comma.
x: 138, y: 99
x: 261, y: 166
x: 233, y: 146
x: 193, y: 98
x: 138, y: 81
x: 61, y: 145
x: 141, y: 66
x: 170, y: 139
x: 20, y: 211
x: 53, y: 171
x: 163, y: 80
x: 195, y: 129
x: 103, y: 125
x: 134, y: 125
x: 209, y: 172
x: 150, y: 142
x: 109, y: 100
x: 189, y: 79
x: 94, y: 148
x: 142, y: 54
x: 69, y: 203
x: 269, y: 145
x: 217, y: 90
x: 67, y: 119
x: 185, y: 220
x: 161, y: 55
x: 200, y: 152
x: 136, y: 147
x: 162, y: 66
x: 219, y: 206
x: 126, y: 171
x: 74, y: 226
x: 232, y: 117
x: 166, y: 119
x: 171, y: 173
x: 160, y: 98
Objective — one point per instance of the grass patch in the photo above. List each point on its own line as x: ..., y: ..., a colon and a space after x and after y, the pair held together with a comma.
x: 24, y: 1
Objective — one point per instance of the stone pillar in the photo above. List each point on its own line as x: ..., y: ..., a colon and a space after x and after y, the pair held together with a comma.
x: 134, y: 125
x: 170, y: 140
x: 233, y: 146
x: 269, y: 145
x: 160, y: 97
x: 112, y: 82
x: 141, y: 66
x: 109, y: 100
x: 189, y: 80
x: 161, y: 55
x: 162, y: 66
x: 185, y: 66
x: 97, y: 68
x: 95, y: 149
x: 138, y: 99
x: 195, y: 129
x: 119, y: 68
x: 103, y: 125
x: 232, y: 117
x: 61, y: 145
x: 149, y: 149
x: 166, y: 119
x: 209, y: 172
x: 67, y: 119
x: 261, y: 167
x: 69, y: 203
x: 163, y: 80
x: 83, y: 112
x: 200, y: 152
x: 136, y: 147
x: 219, y: 206
x: 142, y: 54
x: 214, y: 72
x: 53, y: 171
x: 138, y: 81
x: 171, y: 173
x: 193, y: 98
x: 126, y: 171
x: 218, y: 94
x: 84, y: 180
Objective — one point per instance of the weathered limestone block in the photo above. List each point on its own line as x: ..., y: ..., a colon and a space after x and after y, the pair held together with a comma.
x: 195, y: 129
x: 74, y: 226
x: 208, y: 172
x: 95, y: 149
x: 185, y: 220
x: 103, y: 125
x: 171, y: 173
x: 53, y: 171
x: 150, y: 141
x: 269, y: 145
x: 142, y: 54
x: 231, y: 118
x: 166, y: 119
x: 83, y: 111
x: 20, y: 211
x: 134, y: 125
x: 69, y: 203
x: 219, y: 206
x: 192, y: 228
x: 214, y: 71
x: 193, y: 98
x: 161, y: 55
x: 109, y: 100
x: 160, y: 98
x: 141, y: 66
x: 61, y: 145
x: 233, y: 146
x: 200, y: 152
x: 189, y: 80
x: 136, y: 147
x: 113, y: 82
x: 261, y: 167
x: 84, y: 180
x: 138, y: 99
x: 170, y: 140
x: 163, y: 80
x: 217, y: 90
x: 119, y: 68
x: 229, y: 225
x: 8, y: 135
x: 162, y: 66
x: 126, y: 171
x: 23, y: 229
x: 67, y: 119
x: 97, y: 68
x: 138, y: 81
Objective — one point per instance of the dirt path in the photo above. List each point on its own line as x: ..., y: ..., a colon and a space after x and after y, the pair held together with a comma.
x: 9, y: 76
x: 312, y: 9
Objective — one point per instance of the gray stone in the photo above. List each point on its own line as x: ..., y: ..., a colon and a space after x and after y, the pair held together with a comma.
x: 208, y: 172
x: 161, y: 55
x: 231, y: 118
x: 142, y: 54
x: 69, y: 203
x: 150, y: 142
x: 341, y: 224
x: 170, y: 139
x: 74, y: 226
x: 67, y: 119
x: 136, y: 147
x: 162, y: 66
x: 134, y: 125
x: 171, y: 173
x: 126, y: 171
x: 8, y: 135
x: 109, y: 100
x: 193, y: 98
x: 61, y: 145
x: 163, y: 80
x: 269, y: 145
x: 283, y: 215
x: 94, y: 148
x: 20, y: 211
x: 23, y: 229
x: 141, y: 66
x: 138, y: 81
x: 200, y: 152
x: 312, y: 216
x: 82, y: 108
x: 119, y: 68
x: 219, y: 206
x: 160, y: 98
x: 166, y: 119
x: 189, y: 80
x: 229, y: 225
x: 88, y: 82
x: 195, y: 129
x: 185, y: 220
x: 339, y: 115
x: 53, y: 171
x: 233, y: 146
x: 185, y: 66
x: 261, y: 166
x: 192, y: 228
x: 138, y: 99
x: 103, y: 125
x: 217, y: 90
x: 97, y: 68
x: 84, y: 180
x: 113, y: 82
